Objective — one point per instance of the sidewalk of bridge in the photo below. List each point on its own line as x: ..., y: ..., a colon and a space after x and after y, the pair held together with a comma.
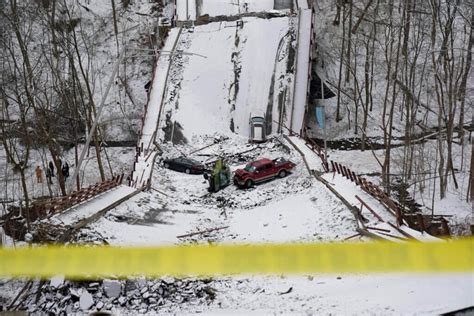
x: 347, y: 192
x: 92, y: 206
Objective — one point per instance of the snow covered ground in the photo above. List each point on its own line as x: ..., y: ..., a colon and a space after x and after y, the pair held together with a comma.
x: 296, y: 208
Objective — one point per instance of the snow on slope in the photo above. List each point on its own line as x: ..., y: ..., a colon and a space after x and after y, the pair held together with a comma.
x: 201, y: 106
x: 308, y: 215
x: 260, y: 40
x: 224, y: 55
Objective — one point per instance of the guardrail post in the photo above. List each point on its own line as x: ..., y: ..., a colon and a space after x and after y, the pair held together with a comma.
x: 355, y: 178
x: 444, y: 225
x: 349, y: 171
x: 399, y: 216
x: 344, y: 171
x: 421, y: 222
x: 326, y: 166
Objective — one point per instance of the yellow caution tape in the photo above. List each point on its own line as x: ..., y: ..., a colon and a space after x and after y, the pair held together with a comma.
x: 95, y: 262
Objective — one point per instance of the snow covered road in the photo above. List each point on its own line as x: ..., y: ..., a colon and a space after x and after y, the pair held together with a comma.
x: 228, y: 75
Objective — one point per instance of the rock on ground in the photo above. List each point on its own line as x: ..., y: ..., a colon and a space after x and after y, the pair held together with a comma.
x: 86, y: 300
x: 112, y: 288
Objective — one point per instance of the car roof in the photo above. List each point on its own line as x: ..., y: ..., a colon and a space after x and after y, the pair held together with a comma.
x: 261, y: 162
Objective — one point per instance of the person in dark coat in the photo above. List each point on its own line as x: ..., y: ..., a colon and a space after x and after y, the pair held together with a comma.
x: 51, y: 168
x: 65, y: 170
x: 49, y: 175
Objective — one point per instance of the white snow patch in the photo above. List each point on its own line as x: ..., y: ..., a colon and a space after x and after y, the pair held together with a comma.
x: 314, y: 214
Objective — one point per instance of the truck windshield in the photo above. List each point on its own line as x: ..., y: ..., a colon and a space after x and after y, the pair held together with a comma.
x: 249, y: 168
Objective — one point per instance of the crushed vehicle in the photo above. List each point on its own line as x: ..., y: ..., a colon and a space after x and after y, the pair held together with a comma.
x: 262, y: 170
x: 184, y: 164
x: 219, y: 177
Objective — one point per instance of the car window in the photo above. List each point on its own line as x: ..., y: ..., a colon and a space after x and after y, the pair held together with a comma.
x: 249, y: 168
x: 257, y: 119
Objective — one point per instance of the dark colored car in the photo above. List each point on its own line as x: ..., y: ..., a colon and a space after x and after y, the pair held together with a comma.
x: 183, y: 164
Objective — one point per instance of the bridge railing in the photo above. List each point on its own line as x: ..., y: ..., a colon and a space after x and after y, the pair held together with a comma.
x: 437, y: 225
x: 57, y: 205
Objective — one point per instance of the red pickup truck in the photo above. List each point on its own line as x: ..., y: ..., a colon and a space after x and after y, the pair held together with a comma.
x: 262, y: 170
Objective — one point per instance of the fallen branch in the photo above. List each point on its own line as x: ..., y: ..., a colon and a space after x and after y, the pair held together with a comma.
x: 26, y: 287
x: 159, y: 191
x: 228, y: 157
x: 393, y: 236
x: 202, y: 232
x: 202, y: 148
x: 402, y: 231
x: 287, y: 291
x: 353, y: 236
x: 379, y: 229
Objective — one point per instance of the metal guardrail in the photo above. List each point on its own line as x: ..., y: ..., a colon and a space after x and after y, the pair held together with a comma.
x: 435, y: 226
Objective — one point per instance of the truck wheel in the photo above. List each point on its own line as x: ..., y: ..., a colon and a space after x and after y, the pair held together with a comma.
x: 188, y: 171
x: 282, y: 173
x: 248, y: 183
